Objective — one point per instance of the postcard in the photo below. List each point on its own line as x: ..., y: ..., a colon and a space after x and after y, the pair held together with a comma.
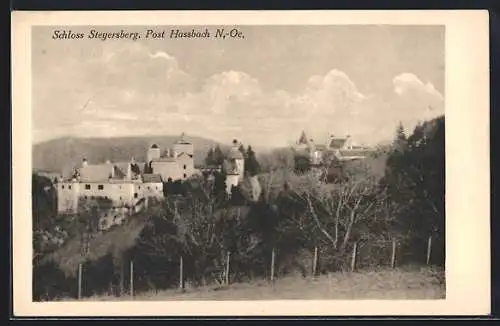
x: 250, y: 163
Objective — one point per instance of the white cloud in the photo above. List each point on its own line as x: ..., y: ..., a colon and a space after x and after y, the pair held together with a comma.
x: 131, y: 91
x: 164, y: 55
x: 408, y: 82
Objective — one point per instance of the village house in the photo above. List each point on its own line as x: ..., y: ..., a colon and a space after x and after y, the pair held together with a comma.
x: 342, y: 148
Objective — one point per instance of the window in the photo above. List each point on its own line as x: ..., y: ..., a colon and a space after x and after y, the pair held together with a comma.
x: 149, y: 188
x: 135, y: 195
x: 92, y: 197
x: 139, y: 187
x: 185, y: 175
x: 100, y: 187
x: 87, y: 187
x: 120, y: 197
x: 62, y: 186
x: 105, y: 197
x: 184, y: 166
x: 156, y: 187
x: 85, y: 197
x: 69, y: 187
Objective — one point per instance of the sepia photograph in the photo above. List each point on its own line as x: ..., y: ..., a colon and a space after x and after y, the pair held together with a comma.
x: 224, y: 162
x: 196, y: 167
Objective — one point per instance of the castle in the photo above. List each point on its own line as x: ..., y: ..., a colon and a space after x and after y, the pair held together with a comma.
x: 125, y: 183
x: 175, y: 164
x: 342, y: 148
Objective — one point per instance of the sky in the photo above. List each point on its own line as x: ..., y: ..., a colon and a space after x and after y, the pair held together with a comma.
x: 262, y: 90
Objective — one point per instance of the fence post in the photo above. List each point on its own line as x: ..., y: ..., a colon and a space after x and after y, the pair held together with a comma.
x: 132, y: 278
x: 429, y: 248
x: 122, y: 276
x: 79, y: 281
x: 354, y: 253
x: 393, y: 256
x: 228, y: 256
x: 181, y: 274
x: 272, y: 264
x: 315, y: 261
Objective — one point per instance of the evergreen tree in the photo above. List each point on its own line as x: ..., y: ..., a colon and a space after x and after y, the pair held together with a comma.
x: 209, y: 159
x: 237, y: 197
x: 252, y: 166
x: 400, y: 133
x: 219, y: 188
x: 242, y: 150
x: 415, y: 179
x: 401, y: 140
x: 218, y: 156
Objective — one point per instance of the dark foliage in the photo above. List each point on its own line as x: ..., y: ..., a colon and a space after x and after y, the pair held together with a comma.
x: 252, y: 166
x: 302, y: 164
x: 415, y: 179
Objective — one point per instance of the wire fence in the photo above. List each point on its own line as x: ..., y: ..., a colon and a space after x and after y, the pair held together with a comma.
x: 361, y: 255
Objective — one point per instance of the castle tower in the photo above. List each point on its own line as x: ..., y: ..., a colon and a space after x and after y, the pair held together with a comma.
x: 153, y: 153
x: 183, y: 146
x: 236, y: 155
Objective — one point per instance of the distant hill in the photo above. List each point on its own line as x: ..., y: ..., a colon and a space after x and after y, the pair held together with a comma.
x: 62, y: 154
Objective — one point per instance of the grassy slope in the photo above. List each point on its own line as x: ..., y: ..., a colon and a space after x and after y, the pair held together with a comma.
x: 403, y: 283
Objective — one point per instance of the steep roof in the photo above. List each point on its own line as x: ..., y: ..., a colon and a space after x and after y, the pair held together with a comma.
x: 151, y: 178
x: 103, y: 172
x: 95, y: 172
x: 337, y: 143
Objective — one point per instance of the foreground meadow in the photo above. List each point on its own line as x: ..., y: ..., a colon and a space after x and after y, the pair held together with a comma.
x: 392, y: 284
